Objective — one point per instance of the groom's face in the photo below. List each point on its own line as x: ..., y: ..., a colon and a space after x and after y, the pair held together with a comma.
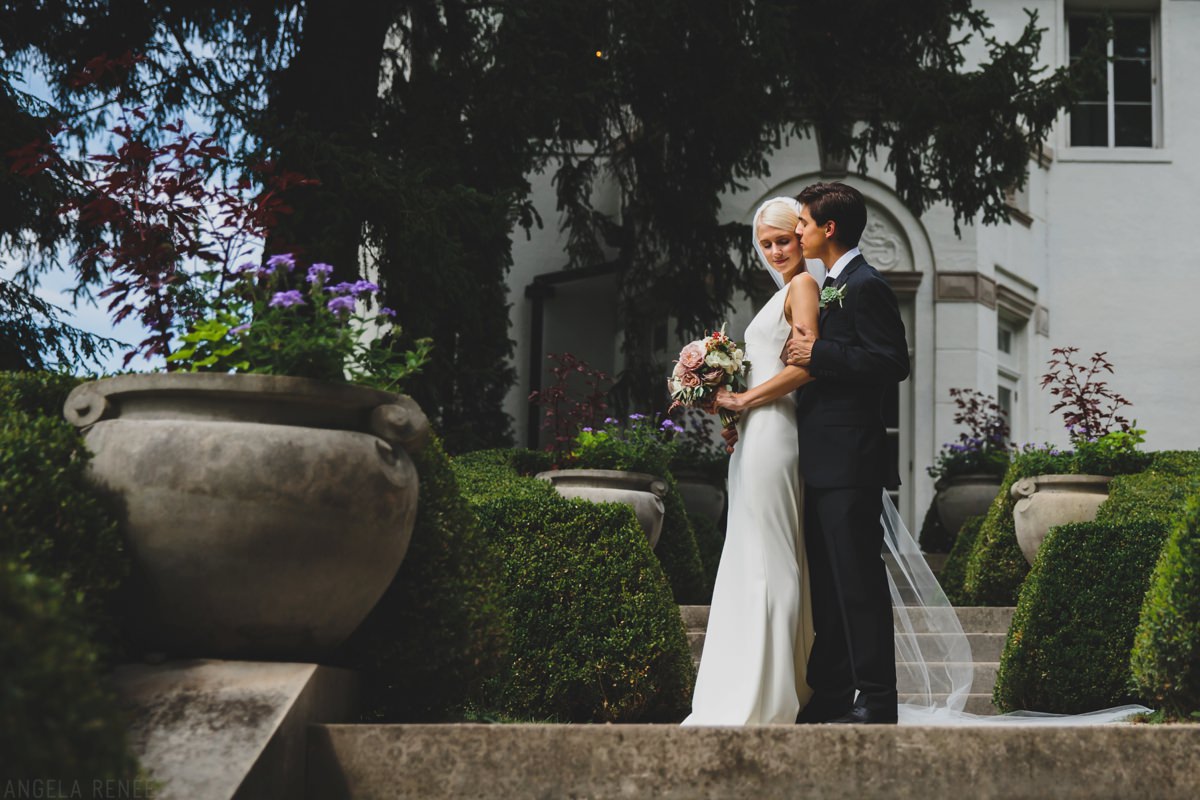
x: 814, y: 240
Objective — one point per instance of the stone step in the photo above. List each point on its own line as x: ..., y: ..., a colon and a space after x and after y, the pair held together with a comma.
x: 787, y: 761
x: 984, y: 646
x: 977, y: 703
x: 983, y: 680
x: 974, y: 619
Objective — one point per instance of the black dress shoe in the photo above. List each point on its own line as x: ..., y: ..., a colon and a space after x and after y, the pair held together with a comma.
x: 820, y: 710
x: 864, y: 716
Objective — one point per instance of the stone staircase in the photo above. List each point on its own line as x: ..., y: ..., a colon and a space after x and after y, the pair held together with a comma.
x: 985, y: 628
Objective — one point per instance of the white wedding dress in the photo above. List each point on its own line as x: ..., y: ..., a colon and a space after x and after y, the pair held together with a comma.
x: 760, y: 623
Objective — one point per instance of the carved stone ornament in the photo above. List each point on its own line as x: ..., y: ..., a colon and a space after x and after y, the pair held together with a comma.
x: 883, y: 245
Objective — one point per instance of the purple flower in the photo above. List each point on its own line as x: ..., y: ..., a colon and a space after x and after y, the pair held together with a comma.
x: 387, y: 312
x: 610, y: 421
x: 341, y: 288
x: 285, y: 260
x: 286, y: 299
x: 363, y: 287
x: 243, y: 268
x: 245, y: 326
x: 340, y: 304
x: 636, y: 417
x: 318, y: 272
x: 586, y: 429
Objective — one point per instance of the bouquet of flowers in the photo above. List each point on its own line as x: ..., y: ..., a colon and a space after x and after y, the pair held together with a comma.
x: 704, y: 366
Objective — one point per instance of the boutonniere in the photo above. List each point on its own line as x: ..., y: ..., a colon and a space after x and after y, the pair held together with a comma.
x: 831, y: 294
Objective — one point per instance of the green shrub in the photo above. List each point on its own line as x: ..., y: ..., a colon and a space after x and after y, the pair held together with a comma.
x: 596, y: 635
x: 52, y: 519
x: 38, y: 393
x: 934, y: 537
x: 679, y: 552
x: 1166, y: 651
x: 995, y: 566
x: 1068, y: 648
x: 58, y: 722
x: 438, y: 634
x: 954, y: 570
x: 710, y: 540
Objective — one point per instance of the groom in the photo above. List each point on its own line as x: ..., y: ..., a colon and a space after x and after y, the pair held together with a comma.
x: 860, y: 354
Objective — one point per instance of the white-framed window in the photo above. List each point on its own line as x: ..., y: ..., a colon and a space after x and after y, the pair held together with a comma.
x: 1123, y: 112
x: 1010, y: 365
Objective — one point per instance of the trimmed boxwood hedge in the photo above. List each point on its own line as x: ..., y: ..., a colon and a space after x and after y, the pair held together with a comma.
x: 710, y: 540
x: 439, y: 632
x: 934, y: 537
x: 1166, y: 651
x: 51, y: 518
x: 596, y: 635
x: 995, y: 566
x: 58, y: 721
x: 954, y: 571
x: 1068, y: 650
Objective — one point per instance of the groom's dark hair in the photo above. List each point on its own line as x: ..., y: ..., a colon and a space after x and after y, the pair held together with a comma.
x: 838, y: 202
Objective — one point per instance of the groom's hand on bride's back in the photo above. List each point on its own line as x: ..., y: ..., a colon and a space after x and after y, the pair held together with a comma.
x: 798, y: 350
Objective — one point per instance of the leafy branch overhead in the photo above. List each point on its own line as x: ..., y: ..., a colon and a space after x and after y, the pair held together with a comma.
x: 427, y: 122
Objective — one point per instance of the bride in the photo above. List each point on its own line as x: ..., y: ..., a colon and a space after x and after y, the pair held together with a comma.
x: 760, y: 628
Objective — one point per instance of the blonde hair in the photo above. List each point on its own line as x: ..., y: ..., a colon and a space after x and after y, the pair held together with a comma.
x: 778, y: 212
x: 782, y: 213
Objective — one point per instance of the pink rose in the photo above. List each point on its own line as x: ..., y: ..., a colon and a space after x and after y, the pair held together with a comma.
x: 692, y: 356
x: 713, y: 377
x: 689, y: 380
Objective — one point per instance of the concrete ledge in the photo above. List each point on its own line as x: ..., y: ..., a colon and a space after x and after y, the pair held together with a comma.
x: 660, y: 761
x: 214, y: 730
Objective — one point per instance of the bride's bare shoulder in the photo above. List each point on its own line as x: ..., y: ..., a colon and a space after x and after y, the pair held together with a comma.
x: 803, y: 281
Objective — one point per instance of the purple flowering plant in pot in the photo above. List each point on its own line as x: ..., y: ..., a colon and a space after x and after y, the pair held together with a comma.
x: 278, y: 319
x: 969, y: 471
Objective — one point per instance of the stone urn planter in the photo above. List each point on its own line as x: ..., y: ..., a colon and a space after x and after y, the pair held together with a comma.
x: 643, y: 492
x: 1045, y: 501
x: 265, y: 515
x: 964, y: 496
x: 701, y: 494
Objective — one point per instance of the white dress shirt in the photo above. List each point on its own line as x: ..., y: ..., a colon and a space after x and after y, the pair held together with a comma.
x: 841, y: 263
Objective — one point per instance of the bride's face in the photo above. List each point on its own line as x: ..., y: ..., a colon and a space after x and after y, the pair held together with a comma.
x: 782, y: 249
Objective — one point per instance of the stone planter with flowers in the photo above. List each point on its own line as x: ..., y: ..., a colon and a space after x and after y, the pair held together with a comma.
x: 968, y: 472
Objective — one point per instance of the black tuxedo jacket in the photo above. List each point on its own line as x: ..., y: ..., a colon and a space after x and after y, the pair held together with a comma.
x: 860, y: 353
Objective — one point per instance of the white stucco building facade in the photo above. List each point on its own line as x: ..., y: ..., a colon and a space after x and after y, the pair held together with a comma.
x: 1100, y: 253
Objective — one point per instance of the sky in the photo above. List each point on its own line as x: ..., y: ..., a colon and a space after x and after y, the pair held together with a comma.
x: 55, y: 286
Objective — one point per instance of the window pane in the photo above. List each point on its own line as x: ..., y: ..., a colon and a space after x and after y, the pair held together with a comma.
x: 1079, y: 30
x: 1004, y: 400
x: 1004, y: 340
x: 1134, y: 126
x: 1131, y: 37
x: 1132, y: 81
x: 1089, y: 125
